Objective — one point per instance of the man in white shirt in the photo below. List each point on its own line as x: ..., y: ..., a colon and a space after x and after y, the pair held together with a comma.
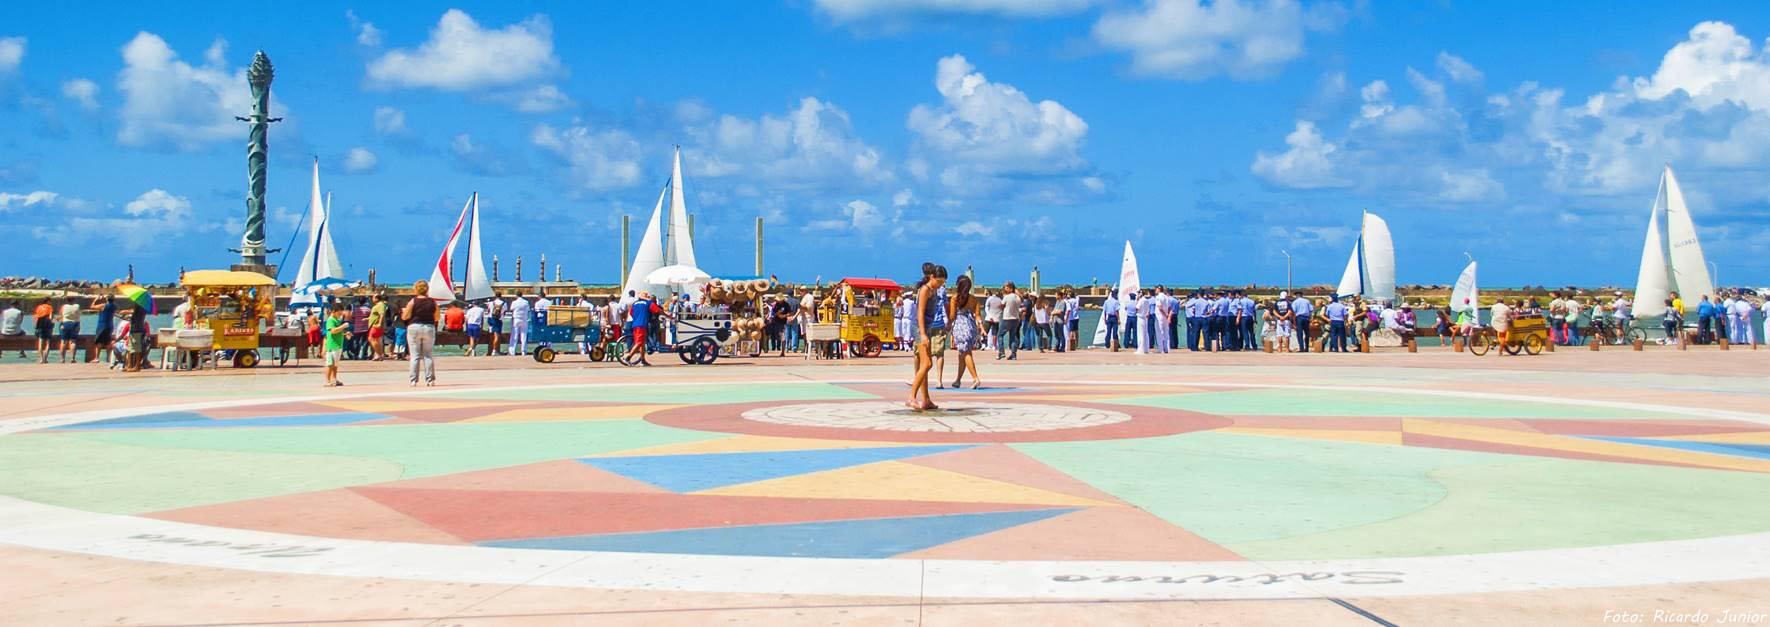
x: 475, y: 319
x: 1009, y: 342
x: 12, y: 320
x: 520, y: 317
x: 1145, y: 335
x: 1074, y: 323
x: 1163, y: 317
x: 541, y: 305
x: 1744, y: 332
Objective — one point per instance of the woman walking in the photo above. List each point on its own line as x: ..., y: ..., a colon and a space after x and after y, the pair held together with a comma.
x: 420, y: 317
x: 967, y: 337
x: 931, y: 321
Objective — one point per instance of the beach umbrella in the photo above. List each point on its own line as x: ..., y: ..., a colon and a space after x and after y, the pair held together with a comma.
x: 678, y: 275
x: 136, y: 294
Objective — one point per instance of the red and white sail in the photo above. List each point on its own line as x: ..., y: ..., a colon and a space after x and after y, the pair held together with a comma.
x: 442, y: 282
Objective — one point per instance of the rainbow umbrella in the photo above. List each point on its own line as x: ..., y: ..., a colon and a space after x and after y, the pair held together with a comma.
x: 136, y: 294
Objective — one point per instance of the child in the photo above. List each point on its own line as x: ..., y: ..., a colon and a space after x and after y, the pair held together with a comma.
x: 337, y: 330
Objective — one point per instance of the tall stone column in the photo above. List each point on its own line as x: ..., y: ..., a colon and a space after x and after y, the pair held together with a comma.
x: 252, y: 250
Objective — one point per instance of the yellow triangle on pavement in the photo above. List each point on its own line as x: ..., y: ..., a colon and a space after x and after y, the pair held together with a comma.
x: 899, y: 481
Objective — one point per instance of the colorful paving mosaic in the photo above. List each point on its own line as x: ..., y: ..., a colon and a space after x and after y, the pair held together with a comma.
x: 1196, y: 472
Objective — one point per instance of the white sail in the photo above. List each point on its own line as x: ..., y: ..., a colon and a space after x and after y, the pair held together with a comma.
x: 1130, y: 282
x: 650, y: 255
x: 1370, y: 272
x: 478, y: 286
x: 1466, y: 292
x: 1352, y: 279
x: 1128, y: 279
x: 1653, y: 282
x: 442, y: 282
x: 681, y: 241
x: 1689, y: 270
x: 320, y: 261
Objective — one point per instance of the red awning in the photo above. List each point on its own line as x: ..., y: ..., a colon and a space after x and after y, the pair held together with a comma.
x: 871, y: 284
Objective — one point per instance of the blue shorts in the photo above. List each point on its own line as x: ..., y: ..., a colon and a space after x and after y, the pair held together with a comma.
x: 70, y: 331
x: 473, y: 330
x: 497, y: 325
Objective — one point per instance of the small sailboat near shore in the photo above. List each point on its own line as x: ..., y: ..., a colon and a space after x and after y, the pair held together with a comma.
x: 1370, y: 272
x: 476, y: 286
x: 320, y: 262
x: 1128, y: 281
x: 668, y: 241
x: 1671, y: 257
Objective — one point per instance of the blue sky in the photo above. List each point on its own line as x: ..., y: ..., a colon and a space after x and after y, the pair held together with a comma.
x: 874, y: 134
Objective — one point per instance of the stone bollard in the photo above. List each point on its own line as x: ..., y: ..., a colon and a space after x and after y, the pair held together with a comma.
x: 1595, y: 344
x: 1365, y: 346
x: 1638, y: 344
x: 1723, y: 343
x: 1267, y: 344
x: 1456, y: 343
x: 1549, y: 347
x: 1684, y: 344
x: 1412, y: 346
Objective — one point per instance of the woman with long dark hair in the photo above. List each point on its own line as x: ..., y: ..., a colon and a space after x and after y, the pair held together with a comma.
x: 932, y: 342
x: 966, y: 334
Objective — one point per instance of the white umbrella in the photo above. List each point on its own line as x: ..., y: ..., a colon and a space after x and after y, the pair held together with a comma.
x: 677, y: 275
x: 326, y: 286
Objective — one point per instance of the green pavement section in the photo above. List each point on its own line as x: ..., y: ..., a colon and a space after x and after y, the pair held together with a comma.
x: 1284, y: 498
x: 1324, y: 403
x: 696, y: 394
x: 1551, y: 503
x: 140, y: 471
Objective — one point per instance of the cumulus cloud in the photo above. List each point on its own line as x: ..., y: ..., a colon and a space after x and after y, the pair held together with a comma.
x: 596, y: 159
x: 390, y: 121
x: 146, y: 223
x: 1306, y: 164
x: 850, y: 10
x: 359, y: 160
x: 989, y: 137
x: 483, y: 158
x: 1195, y: 39
x: 169, y: 101
x: 461, y: 55
x: 813, y: 145
x: 81, y: 91
x: 858, y: 216
x: 12, y: 54
x: 40, y: 198
x: 541, y: 99
x: 367, y: 35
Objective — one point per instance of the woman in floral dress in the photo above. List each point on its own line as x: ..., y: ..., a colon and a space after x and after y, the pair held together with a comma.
x: 967, y: 335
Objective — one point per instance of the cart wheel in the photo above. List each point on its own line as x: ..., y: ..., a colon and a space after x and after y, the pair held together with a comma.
x: 598, y: 353
x: 245, y: 359
x: 1513, y: 347
x: 1480, y: 343
x: 1533, y: 344
x: 706, y: 351
x: 871, y: 347
x: 546, y: 354
x: 1636, y: 335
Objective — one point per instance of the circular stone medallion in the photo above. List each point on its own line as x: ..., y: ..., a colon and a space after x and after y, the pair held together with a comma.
x: 952, y: 417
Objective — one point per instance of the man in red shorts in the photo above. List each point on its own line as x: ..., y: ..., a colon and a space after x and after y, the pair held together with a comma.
x: 643, y: 310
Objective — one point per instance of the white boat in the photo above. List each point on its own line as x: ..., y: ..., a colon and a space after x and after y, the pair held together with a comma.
x: 1128, y: 282
x: 1466, y: 292
x: 1671, y: 256
x: 321, y: 259
x: 442, y: 277
x: 665, y: 243
x: 1370, y: 272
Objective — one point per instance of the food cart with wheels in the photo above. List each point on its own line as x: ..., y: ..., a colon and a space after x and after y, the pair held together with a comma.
x: 865, y: 314
x: 232, y: 306
x: 567, y: 325
x: 1529, y: 333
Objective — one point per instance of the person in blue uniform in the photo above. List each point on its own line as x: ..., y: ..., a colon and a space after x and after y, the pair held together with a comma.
x: 1109, y: 316
x: 1250, y: 340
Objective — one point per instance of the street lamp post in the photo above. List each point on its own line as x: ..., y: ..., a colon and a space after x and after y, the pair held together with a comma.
x: 1714, y: 275
x: 1287, y: 270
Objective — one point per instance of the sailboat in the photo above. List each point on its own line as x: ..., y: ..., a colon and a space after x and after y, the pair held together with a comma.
x: 1465, y: 291
x: 1370, y: 272
x: 321, y: 259
x: 1128, y: 282
x: 1671, y: 257
x: 664, y: 243
x: 442, y: 283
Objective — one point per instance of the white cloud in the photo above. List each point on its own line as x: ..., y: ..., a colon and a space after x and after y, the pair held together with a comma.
x: 811, y: 146
x: 600, y: 159
x: 367, y: 35
x: 9, y: 201
x: 541, y: 99
x: 1458, y: 69
x: 903, y: 198
x: 460, y: 55
x: 994, y: 125
x: 148, y: 222
x: 1307, y: 164
x: 359, y: 160
x: 82, y: 91
x: 12, y: 54
x: 1469, y: 186
x: 863, y: 216
x: 849, y: 10
x: 390, y: 121
x: 974, y: 228
x: 166, y: 100
x: 1192, y: 39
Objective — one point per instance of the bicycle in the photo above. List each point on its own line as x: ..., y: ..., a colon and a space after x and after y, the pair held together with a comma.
x: 1609, y: 332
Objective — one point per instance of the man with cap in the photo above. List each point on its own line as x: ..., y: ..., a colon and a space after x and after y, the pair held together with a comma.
x: 1194, y: 320
x: 1302, y: 309
x: 1336, y: 315
x: 1249, y: 339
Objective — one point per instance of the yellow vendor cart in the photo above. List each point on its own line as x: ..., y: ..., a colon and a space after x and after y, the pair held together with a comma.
x: 233, y: 306
x: 866, y: 314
